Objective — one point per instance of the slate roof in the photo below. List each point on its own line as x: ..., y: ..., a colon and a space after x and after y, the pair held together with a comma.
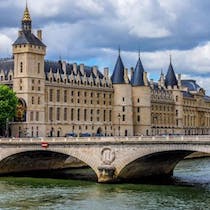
x: 187, y: 94
x: 137, y: 78
x: 191, y: 85
x: 6, y: 65
x: 56, y: 67
x: 118, y: 73
x: 207, y: 98
x: 26, y: 37
x: 170, y: 79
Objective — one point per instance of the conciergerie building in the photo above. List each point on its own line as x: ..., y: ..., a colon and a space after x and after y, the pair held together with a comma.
x: 57, y: 97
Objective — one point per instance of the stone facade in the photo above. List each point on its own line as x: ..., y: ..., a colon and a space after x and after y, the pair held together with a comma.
x: 56, y: 98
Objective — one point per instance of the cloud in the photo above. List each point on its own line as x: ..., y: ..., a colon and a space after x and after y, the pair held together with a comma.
x: 91, y: 31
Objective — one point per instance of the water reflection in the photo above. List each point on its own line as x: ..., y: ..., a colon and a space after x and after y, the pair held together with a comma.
x: 191, y: 191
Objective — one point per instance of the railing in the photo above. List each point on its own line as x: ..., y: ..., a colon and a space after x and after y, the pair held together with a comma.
x: 109, y: 139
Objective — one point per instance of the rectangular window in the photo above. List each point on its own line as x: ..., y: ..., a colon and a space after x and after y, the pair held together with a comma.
x: 65, y: 114
x: 65, y: 96
x: 123, y: 119
x: 32, y: 100
x: 58, y: 95
x: 110, y: 115
x: 32, y: 116
x: 21, y: 67
x: 51, y: 114
x: 78, y: 114
x: 104, y: 115
x: 38, y: 68
x: 51, y: 95
x: 58, y: 114
x: 85, y: 114
x: 72, y: 114
x: 37, y: 116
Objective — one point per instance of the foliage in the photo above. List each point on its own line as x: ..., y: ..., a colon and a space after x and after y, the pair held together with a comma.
x: 8, y: 104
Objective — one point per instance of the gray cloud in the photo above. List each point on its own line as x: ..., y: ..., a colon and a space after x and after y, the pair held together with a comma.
x: 90, y: 31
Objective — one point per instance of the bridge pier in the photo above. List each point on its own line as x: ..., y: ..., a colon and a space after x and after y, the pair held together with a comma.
x: 106, y: 174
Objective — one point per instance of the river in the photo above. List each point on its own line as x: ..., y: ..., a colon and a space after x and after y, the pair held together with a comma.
x: 189, y: 189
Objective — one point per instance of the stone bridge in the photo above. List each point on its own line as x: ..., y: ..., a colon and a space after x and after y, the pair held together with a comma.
x: 111, y: 158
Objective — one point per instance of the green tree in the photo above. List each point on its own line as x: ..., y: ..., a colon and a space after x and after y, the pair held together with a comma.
x: 8, y: 104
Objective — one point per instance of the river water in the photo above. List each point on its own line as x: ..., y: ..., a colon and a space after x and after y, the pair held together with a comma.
x: 190, y: 189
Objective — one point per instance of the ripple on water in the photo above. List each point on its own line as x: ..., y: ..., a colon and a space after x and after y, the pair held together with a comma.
x: 192, y: 191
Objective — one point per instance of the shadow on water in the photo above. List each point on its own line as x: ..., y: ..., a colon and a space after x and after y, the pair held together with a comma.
x: 83, y: 173
x: 188, y: 189
x: 192, y: 172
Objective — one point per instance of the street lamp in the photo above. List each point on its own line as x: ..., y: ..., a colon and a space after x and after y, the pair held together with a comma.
x: 119, y: 116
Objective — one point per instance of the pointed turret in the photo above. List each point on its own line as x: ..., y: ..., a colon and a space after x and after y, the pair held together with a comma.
x: 25, y: 36
x: 138, y: 76
x: 118, y: 73
x: 26, y: 20
x: 170, y: 79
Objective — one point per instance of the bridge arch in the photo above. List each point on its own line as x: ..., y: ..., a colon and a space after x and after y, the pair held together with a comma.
x: 47, y: 159
x: 160, y: 164
x: 153, y: 161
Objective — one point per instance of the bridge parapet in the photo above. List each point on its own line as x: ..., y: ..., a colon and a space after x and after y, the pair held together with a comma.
x: 110, y: 139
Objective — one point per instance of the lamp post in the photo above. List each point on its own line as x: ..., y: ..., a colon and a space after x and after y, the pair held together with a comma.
x: 119, y: 116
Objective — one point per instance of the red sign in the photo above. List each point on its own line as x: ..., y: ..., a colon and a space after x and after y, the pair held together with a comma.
x: 45, y: 144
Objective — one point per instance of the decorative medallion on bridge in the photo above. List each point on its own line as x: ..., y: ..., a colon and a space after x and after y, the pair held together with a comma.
x: 107, y: 156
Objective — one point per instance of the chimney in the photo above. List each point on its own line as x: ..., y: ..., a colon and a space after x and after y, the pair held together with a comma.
x: 132, y: 72
x: 106, y: 72
x: 39, y: 34
x: 152, y: 83
x: 145, y: 78
x: 179, y: 80
x: 64, y: 66
x: 82, y: 69
x: 162, y: 81
x: 95, y: 71
x: 75, y: 68
x: 126, y: 75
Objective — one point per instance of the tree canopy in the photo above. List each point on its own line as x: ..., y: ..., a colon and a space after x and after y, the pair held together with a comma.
x: 8, y: 104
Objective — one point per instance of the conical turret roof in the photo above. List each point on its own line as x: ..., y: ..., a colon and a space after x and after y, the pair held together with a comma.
x: 138, y: 76
x: 170, y: 79
x: 118, y: 73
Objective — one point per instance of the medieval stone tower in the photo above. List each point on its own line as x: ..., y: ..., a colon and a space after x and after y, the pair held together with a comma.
x: 141, y: 95
x: 29, y: 79
x: 122, y: 104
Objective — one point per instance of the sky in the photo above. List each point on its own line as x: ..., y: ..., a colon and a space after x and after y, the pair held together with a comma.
x: 91, y: 32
